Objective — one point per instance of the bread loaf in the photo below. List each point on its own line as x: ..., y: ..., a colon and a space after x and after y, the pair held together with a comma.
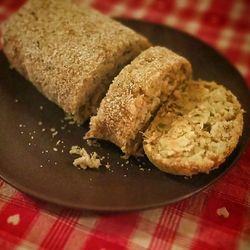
x: 134, y: 96
x: 195, y: 130
x: 70, y: 53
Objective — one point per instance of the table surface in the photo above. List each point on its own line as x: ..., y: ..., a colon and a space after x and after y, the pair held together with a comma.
x: 26, y: 223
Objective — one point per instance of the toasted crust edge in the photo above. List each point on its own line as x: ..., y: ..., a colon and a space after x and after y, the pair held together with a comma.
x: 188, y: 170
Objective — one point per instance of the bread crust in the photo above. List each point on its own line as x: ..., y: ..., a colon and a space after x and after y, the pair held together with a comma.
x: 196, y: 130
x: 70, y: 53
x: 135, y: 95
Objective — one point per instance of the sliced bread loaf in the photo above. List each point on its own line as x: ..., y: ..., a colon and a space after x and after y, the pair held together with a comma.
x: 70, y: 53
x: 135, y: 95
x: 195, y: 130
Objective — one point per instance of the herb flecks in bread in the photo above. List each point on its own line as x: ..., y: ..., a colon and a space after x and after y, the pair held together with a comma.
x: 195, y: 130
x: 135, y: 95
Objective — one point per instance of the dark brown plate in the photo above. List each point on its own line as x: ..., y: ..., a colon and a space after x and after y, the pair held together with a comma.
x: 120, y: 188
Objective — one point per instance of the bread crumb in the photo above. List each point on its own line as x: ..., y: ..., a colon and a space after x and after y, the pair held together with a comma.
x: 13, y: 219
x: 58, y: 142
x: 40, y: 123
x: 107, y: 165
x: 55, y: 149
x: 41, y: 166
x: 41, y: 107
x: 93, y: 143
x: 54, y: 134
x: 70, y: 119
x: 16, y: 100
x: 85, y: 160
x: 222, y: 212
x: 21, y: 132
x: 125, y: 157
x: 52, y: 129
x: 43, y: 130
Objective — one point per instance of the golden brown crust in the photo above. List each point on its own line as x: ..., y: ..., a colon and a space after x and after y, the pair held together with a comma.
x: 134, y: 96
x: 196, y: 130
x: 69, y: 53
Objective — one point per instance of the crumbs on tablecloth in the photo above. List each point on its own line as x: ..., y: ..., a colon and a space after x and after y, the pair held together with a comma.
x: 222, y: 212
x: 13, y: 219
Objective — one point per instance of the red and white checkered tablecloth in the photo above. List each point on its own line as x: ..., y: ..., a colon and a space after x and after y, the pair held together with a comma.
x: 189, y: 224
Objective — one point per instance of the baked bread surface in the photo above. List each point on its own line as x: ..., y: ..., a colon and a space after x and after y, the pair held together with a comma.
x: 195, y: 130
x: 70, y: 53
x: 135, y: 95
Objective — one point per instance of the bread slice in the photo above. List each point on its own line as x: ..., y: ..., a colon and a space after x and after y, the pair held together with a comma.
x: 135, y: 94
x: 70, y: 53
x: 195, y: 130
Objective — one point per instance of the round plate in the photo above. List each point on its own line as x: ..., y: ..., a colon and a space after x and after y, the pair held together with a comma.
x: 33, y: 161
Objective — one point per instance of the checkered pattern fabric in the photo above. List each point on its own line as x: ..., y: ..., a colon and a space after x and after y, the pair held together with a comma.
x: 190, y: 224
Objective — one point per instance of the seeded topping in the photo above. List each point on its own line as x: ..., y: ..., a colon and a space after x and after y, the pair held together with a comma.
x: 135, y: 94
x: 50, y: 41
